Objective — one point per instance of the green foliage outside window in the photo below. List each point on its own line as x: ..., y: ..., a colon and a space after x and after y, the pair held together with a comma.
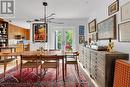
x: 59, y: 40
x: 69, y: 41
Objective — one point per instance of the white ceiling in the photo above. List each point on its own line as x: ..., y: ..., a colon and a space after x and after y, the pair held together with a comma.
x: 64, y: 9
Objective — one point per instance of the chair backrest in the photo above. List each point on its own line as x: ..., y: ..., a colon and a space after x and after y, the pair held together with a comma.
x: 29, y: 57
x: 72, y: 53
x: 76, y: 53
x: 49, y: 57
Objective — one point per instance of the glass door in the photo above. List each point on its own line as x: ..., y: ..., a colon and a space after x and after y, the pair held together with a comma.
x: 64, y: 39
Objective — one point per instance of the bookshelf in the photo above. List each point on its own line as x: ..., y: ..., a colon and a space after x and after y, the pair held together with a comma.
x: 3, y: 33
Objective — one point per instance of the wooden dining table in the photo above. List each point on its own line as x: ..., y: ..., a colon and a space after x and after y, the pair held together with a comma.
x: 60, y: 55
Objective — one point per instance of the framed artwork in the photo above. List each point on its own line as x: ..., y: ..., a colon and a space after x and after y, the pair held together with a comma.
x: 114, y: 7
x: 125, y: 12
x: 107, y: 28
x: 81, y: 30
x: 94, y: 37
x: 39, y: 32
x: 92, y: 26
x: 124, y: 32
x: 81, y: 39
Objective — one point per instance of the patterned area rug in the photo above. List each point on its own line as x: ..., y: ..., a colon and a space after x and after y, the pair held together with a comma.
x: 30, y: 79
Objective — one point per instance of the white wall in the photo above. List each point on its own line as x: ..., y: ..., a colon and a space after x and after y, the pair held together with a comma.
x: 69, y: 23
x: 100, y: 14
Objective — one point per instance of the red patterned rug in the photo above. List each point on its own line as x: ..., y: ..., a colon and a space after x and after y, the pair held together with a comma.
x: 30, y: 79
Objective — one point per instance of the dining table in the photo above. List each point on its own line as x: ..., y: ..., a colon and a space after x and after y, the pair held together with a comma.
x: 60, y: 55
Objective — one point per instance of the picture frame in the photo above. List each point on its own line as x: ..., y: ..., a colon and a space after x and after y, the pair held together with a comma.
x: 107, y: 28
x: 123, y: 32
x: 113, y: 8
x: 94, y: 37
x: 40, y: 33
x: 81, y: 30
x: 125, y: 11
x: 92, y: 26
x: 81, y: 39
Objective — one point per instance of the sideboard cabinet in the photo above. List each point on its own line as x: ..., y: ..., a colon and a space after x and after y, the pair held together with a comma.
x: 100, y: 65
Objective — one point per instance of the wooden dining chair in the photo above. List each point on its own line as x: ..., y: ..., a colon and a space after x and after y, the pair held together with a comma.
x: 71, y: 58
x: 5, y: 61
x: 50, y: 61
x: 29, y: 61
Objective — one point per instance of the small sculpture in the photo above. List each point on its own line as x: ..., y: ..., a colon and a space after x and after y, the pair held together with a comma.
x: 110, y: 46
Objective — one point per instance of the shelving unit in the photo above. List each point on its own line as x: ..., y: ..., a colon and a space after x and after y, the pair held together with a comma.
x: 3, y: 33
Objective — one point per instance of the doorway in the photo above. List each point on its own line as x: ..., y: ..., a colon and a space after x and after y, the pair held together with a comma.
x: 64, y: 39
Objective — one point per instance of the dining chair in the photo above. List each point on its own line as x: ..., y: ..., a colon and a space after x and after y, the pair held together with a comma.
x: 29, y: 61
x: 5, y: 61
x: 50, y: 61
x: 71, y: 58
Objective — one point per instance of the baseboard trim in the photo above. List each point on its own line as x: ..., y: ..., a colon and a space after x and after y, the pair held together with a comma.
x: 91, y: 82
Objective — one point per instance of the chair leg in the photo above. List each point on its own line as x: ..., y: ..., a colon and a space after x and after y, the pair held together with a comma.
x: 65, y: 69
x: 77, y: 69
x: 58, y: 69
x: 20, y: 73
x: 17, y: 64
x: 56, y: 75
x: 75, y: 66
x: 5, y: 65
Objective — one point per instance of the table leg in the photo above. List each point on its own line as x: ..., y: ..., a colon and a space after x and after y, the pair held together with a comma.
x: 63, y: 69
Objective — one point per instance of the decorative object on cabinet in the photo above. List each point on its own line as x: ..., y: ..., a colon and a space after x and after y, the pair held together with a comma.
x: 81, y: 39
x: 39, y: 32
x: 125, y: 12
x: 123, y: 32
x: 92, y: 26
x: 107, y: 28
x: 81, y: 30
x: 114, y: 7
x: 3, y: 33
x: 122, y: 74
x: 110, y: 46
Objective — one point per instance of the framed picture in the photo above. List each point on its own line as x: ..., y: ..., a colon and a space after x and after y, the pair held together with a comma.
x: 81, y: 39
x: 114, y: 7
x: 94, y: 37
x: 81, y: 30
x: 39, y: 32
x: 124, y: 32
x: 125, y: 12
x: 107, y: 28
x: 92, y: 26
